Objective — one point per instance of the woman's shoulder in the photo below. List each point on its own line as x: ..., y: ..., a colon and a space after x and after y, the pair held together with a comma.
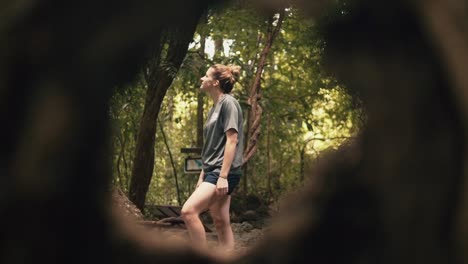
x: 230, y: 102
x: 229, y: 99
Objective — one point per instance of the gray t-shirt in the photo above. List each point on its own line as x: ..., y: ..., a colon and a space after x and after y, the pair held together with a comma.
x: 225, y: 115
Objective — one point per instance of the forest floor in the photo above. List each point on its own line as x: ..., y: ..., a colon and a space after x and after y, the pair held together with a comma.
x: 246, y: 233
x: 245, y: 236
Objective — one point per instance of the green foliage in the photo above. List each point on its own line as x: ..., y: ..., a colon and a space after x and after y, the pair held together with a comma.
x: 125, y: 113
x: 305, y: 110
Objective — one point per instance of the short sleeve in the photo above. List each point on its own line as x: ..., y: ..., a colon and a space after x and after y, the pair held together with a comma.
x: 230, y: 116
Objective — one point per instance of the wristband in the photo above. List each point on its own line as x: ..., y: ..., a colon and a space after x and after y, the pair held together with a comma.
x: 223, y: 177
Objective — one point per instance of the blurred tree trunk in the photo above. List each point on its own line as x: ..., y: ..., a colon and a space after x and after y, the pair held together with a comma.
x: 120, y: 158
x: 268, y: 149
x: 159, y: 74
x: 218, y: 49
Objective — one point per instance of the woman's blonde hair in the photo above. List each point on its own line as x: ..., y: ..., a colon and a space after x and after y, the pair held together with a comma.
x: 227, y: 75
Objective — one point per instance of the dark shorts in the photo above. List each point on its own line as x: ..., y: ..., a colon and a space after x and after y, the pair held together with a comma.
x: 233, y: 179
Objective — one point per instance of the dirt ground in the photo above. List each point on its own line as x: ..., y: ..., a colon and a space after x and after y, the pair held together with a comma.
x: 246, y: 233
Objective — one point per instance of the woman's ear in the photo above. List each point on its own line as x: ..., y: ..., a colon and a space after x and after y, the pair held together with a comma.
x: 216, y: 83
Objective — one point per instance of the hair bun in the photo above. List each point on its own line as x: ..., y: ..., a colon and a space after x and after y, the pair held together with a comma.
x: 235, y: 73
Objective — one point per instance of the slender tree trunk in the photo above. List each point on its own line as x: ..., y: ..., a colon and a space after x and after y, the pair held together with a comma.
x: 257, y: 46
x: 218, y: 49
x: 126, y: 173
x: 119, y: 160
x: 302, y: 154
x: 246, y: 165
x: 250, y: 69
x: 170, y: 114
x: 158, y: 80
x: 174, y: 170
x: 255, y: 112
x: 255, y: 91
x: 269, y: 155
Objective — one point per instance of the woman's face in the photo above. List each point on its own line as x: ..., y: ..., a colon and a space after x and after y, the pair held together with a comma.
x: 207, y: 81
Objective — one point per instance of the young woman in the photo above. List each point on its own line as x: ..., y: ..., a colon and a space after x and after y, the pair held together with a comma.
x: 221, y: 158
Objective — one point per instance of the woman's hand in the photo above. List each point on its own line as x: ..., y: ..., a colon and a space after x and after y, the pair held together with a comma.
x: 222, y: 186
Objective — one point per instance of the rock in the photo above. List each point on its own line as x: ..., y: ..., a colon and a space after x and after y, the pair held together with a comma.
x: 249, y: 215
x: 245, y: 227
x: 242, y: 227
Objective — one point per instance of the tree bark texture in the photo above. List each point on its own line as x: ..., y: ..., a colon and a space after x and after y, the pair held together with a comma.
x: 254, y: 113
x: 255, y: 90
x: 161, y: 72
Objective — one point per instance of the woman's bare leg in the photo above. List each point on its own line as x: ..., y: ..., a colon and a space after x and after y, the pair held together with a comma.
x: 198, y: 202
x: 219, y: 211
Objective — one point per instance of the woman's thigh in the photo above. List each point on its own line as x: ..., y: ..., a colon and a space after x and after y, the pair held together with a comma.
x: 219, y: 208
x: 200, y: 199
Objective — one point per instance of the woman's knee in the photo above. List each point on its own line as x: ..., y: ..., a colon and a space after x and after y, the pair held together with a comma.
x: 187, y: 213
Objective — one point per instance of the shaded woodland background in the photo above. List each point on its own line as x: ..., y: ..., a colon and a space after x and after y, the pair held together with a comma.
x: 304, y: 111
x: 395, y: 194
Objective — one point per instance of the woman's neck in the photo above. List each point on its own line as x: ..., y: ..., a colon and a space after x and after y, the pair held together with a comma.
x: 216, y: 96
